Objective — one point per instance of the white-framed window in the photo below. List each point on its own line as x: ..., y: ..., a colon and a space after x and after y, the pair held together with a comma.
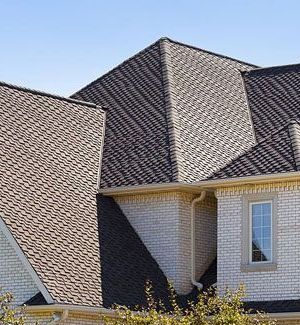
x: 261, y: 233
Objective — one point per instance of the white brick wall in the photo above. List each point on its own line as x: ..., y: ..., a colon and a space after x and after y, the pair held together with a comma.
x: 13, y: 276
x: 163, y: 221
x: 284, y: 282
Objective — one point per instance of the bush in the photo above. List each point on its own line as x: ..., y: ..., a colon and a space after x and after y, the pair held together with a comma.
x: 210, y: 309
x: 9, y: 316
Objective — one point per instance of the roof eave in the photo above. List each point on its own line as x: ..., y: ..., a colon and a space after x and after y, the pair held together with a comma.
x: 197, y: 187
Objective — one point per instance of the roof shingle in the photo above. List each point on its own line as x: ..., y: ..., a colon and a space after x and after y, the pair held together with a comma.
x: 49, y: 148
x: 177, y: 113
x: 278, y: 153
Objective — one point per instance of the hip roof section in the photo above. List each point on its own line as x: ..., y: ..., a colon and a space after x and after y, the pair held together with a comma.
x: 176, y: 114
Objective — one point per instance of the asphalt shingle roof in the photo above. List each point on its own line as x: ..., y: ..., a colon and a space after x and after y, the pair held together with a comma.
x: 277, y: 153
x: 273, y: 96
x: 176, y: 113
x: 50, y: 148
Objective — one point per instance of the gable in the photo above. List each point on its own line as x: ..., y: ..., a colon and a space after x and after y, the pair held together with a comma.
x: 14, y: 277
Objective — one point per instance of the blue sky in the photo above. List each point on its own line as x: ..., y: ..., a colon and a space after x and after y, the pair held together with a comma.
x: 60, y: 45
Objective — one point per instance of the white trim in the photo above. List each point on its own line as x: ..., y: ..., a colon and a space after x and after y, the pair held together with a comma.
x: 24, y: 260
x: 150, y: 188
x: 251, y: 262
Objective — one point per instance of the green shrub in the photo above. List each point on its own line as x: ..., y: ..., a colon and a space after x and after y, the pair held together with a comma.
x: 210, y: 309
x: 8, y: 315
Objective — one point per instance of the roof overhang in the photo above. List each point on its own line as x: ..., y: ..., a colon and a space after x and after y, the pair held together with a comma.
x: 197, y: 187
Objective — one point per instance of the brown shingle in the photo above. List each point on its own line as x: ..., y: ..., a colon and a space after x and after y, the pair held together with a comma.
x: 50, y: 149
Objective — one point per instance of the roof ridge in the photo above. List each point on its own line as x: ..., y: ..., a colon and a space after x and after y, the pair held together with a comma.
x: 210, y: 52
x: 170, y: 105
x: 116, y: 67
x: 284, y: 66
x: 42, y: 93
x: 294, y: 130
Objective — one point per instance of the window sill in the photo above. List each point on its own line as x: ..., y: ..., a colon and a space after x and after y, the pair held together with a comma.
x: 264, y: 267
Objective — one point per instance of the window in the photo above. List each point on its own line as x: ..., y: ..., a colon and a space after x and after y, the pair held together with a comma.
x: 261, y: 231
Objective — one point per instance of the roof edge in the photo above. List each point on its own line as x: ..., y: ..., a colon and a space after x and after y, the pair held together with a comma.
x: 260, y: 69
x: 42, y: 93
x: 41, y: 286
x: 114, y: 68
x: 197, y: 187
x: 170, y: 107
x: 212, y: 53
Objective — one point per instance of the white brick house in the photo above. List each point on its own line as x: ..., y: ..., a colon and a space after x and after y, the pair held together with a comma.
x: 179, y: 164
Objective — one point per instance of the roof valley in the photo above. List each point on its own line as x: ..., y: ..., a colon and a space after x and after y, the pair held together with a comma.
x: 173, y: 121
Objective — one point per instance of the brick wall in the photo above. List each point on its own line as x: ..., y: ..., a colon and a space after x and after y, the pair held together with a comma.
x: 282, y: 283
x: 163, y: 221
x: 13, y: 276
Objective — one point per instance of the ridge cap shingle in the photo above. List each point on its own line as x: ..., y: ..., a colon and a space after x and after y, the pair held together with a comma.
x: 211, y: 52
x: 274, y: 67
x: 170, y: 107
x: 54, y: 96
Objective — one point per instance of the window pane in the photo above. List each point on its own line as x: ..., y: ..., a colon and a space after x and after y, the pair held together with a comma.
x: 266, y: 209
x: 266, y: 232
x: 266, y: 220
x: 256, y: 209
x: 261, y: 232
x: 256, y: 221
x: 266, y: 244
x: 256, y: 233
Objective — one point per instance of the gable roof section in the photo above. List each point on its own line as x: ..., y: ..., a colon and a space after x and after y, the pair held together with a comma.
x: 273, y: 96
x: 176, y: 114
x: 278, y: 153
x: 49, y: 148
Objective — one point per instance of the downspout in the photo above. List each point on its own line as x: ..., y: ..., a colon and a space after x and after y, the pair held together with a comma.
x: 193, y: 239
x: 59, y: 317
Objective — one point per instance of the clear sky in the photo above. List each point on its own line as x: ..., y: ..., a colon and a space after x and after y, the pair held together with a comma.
x: 60, y: 45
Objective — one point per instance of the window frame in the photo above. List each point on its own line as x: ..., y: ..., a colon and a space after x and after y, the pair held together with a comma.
x: 250, y: 216
x: 247, y: 265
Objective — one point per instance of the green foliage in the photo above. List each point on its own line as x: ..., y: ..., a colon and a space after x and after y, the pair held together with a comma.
x: 8, y: 315
x: 210, y: 309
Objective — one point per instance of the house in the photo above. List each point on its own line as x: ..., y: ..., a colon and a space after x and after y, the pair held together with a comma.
x: 178, y: 164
